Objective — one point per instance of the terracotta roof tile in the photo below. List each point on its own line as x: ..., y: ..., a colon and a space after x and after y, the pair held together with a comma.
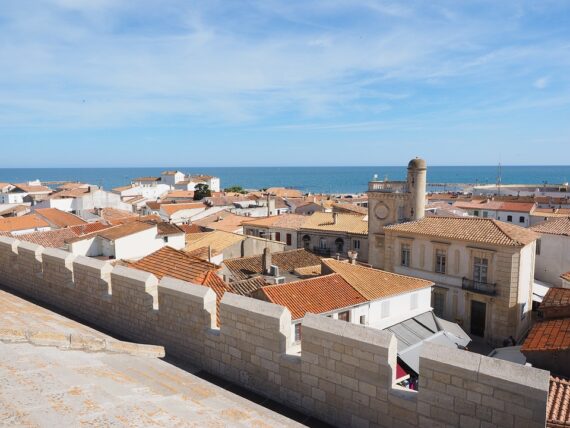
x: 283, y: 192
x: 58, y: 218
x: 201, y: 252
x: 217, y: 240
x: 28, y: 221
x: 115, y: 216
x: 116, y: 232
x: 346, y: 223
x: 558, y: 404
x: 174, y: 263
x: 551, y: 212
x: 350, y: 208
x: 375, y: 283
x: 548, y: 335
x: 556, y: 226
x: 470, y: 229
x: 223, y: 220
x: 316, y: 295
x: 248, y: 286
x: 288, y: 261
x: 49, y: 238
x: 556, y: 297
x: 212, y: 280
x: 191, y: 228
x: 283, y: 221
x: 170, y: 209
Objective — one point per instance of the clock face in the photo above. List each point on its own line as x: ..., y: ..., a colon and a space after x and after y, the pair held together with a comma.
x: 381, y: 211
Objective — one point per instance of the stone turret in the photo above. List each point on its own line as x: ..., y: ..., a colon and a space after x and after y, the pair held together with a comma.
x: 417, y: 172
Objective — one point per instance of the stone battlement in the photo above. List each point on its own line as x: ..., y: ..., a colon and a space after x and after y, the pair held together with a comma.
x: 344, y: 374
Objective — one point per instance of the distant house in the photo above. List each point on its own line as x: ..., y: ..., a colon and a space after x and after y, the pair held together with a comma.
x: 518, y: 213
x: 329, y: 234
x: 282, y: 228
x: 32, y: 192
x: 171, y: 177
x: 59, y: 219
x: 131, y: 240
x: 552, y: 250
x: 180, y: 213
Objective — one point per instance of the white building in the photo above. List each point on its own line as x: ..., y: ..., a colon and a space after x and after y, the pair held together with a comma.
x: 87, y: 201
x: 171, y: 178
x: 181, y: 213
x: 127, y: 241
x: 552, y: 250
x: 282, y: 228
x: 518, y: 213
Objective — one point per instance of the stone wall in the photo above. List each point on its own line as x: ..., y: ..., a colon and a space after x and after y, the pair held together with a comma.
x: 344, y: 374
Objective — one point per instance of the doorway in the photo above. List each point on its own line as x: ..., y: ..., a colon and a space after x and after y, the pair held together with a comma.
x: 478, y: 315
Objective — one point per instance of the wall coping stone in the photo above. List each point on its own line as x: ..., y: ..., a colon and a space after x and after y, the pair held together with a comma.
x: 178, y: 288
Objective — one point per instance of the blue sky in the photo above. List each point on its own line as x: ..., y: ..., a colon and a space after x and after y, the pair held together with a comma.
x: 327, y: 82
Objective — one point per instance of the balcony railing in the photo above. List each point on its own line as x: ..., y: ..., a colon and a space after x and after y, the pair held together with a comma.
x: 388, y: 186
x: 479, y: 287
x: 325, y: 252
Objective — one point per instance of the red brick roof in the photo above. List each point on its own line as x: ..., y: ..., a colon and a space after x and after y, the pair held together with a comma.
x: 174, y: 263
x: 558, y: 404
x: 556, y: 226
x: 316, y: 295
x: 59, y: 218
x: 25, y: 222
x: 549, y: 335
x: 556, y: 297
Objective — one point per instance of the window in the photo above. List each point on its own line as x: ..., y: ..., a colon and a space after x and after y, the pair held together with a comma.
x: 363, y: 319
x: 439, y: 304
x: 440, y: 260
x: 521, y: 219
x: 288, y: 239
x: 356, y: 244
x: 476, y: 213
x: 480, y: 269
x: 485, y: 214
x: 339, y: 245
x: 414, y: 301
x: 405, y: 256
x: 385, y: 309
x: 344, y: 316
x: 538, y: 247
x: 297, y: 332
x: 322, y: 243
x: 510, y: 218
x: 278, y: 236
x: 306, y: 242
x: 165, y: 238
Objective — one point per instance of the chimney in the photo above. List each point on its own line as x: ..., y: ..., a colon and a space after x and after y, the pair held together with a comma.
x: 352, y: 255
x: 335, y: 218
x: 266, y: 261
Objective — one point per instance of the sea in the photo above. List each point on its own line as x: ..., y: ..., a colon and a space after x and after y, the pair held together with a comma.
x: 318, y: 179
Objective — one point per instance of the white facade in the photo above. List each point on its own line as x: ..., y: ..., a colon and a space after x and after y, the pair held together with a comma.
x: 130, y: 247
x: 552, y: 258
x: 35, y: 229
x: 287, y: 236
x: 12, y: 197
x: 171, y: 179
x: 182, y: 216
x: 89, y: 201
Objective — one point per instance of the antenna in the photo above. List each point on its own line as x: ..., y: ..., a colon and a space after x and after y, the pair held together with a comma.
x: 499, y: 177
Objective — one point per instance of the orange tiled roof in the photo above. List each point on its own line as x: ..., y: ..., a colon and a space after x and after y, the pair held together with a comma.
x: 316, y: 295
x: 375, y: 283
x: 556, y: 226
x: 200, y: 252
x: 28, y: 221
x: 180, y: 194
x: 170, y: 209
x: 548, y: 335
x: 59, y: 218
x: 288, y: 261
x: 283, y: 192
x: 212, y: 280
x: 348, y: 207
x: 49, y: 238
x: 116, y: 232
x: 558, y: 404
x: 283, y: 221
x: 247, y: 286
x: 174, y: 263
x: 556, y: 297
x: 84, y: 229
x: 521, y: 207
x: 218, y: 240
x: 345, y: 223
x: 33, y: 188
x: 470, y: 229
x: 551, y: 212
x: 223, y: 220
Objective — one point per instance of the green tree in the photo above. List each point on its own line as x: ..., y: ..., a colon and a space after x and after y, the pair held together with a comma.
x: 235, y: 189
x: 201, y: 191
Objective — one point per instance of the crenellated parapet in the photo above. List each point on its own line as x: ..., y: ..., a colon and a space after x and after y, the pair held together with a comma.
x: 341, y: 373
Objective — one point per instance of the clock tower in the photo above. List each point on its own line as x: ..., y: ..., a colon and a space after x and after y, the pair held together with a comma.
x: 392, y: 202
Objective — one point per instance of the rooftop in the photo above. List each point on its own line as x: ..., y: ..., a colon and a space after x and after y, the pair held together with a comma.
x: 284, y: 192
x: 117, y: 232
x: 551, y: 212
x: 344, y: 223
x: 223, y: 220
x: 45, y: 386
x: 247, y: 286
x: 316, y: 295
x: 25, y: 222
x: 548, y: 335
x: 555, y: 226
x: 288, y: 261
x: 58, y: 238
x: 556, y: 297
x: 170, y: 209
x: 469, y: 229
x: 218, y: 240
x: 174, y: 263
x: 558, y: 404
x: 58, y: 218
x: 283, y: 221
x: 375, y: 283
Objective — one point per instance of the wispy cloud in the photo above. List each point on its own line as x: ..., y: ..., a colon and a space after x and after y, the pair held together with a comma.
x: 541, y: 82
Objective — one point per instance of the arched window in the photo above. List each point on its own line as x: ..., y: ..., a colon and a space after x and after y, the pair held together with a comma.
x: 306, y: 242
x: 339, y: 244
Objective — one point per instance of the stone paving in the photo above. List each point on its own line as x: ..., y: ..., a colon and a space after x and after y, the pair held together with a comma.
x: 45, y: 386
